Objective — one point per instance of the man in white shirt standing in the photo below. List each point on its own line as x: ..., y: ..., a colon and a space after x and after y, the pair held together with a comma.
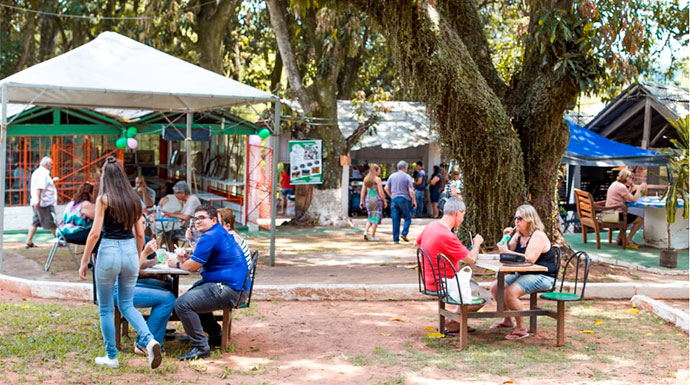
x: 43, y: 200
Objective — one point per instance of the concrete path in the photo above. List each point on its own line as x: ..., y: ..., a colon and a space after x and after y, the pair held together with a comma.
x: 321, y: 264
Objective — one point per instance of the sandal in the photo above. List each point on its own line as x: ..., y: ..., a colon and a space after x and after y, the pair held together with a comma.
x: 515, y: 335
x: 30, y: 245
x: 501, y: 325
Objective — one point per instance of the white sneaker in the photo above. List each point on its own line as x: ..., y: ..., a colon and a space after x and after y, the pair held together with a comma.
x: 153, y: 348
x: 373, y: 239
x: 109, y: 362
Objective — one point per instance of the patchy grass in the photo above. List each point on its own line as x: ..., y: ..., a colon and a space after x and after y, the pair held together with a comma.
x: 55, y: 343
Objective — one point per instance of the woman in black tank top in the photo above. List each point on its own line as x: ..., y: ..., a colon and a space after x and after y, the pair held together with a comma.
x: 530, y: 241
x: 117, y: 223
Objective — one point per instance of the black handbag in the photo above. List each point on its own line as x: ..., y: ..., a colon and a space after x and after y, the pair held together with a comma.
x: 511, y: 258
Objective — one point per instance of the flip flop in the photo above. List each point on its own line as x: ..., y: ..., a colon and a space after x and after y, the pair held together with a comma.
x: 632, y: 246
x: 501, y: 325
x: 30, y: 245
x: 517, y: 335
x: 366, y: 237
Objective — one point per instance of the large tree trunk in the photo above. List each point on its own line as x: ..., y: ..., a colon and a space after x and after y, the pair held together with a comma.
x: 470, y: 117
x: 212, y: 23
x: 319, y: 100
x: 537, y: 102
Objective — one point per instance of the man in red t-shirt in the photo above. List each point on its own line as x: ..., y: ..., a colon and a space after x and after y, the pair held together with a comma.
x: 437, y: 238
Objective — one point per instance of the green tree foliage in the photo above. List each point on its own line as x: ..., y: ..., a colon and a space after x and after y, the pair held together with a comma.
x: 501, y: 113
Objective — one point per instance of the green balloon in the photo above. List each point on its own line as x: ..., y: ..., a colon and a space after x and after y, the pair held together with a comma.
x: 132, y: 132
x: 264, y: 133
x: 121, y: 143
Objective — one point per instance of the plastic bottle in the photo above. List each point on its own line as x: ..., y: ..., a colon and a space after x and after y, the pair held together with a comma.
x: 506, y: 237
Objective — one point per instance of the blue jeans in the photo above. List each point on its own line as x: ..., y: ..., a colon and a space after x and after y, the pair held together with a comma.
x: 161, y: 302
x: 400, y: 207
x: 419, y: 197
x: 118, y: 263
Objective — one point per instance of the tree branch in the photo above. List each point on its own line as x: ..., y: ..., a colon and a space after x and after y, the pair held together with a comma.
x: 463, y: 16
x: 362, y: 127
x: 276, y: 10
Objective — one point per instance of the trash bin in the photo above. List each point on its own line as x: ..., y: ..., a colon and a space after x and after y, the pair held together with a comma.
x: 290, y: 211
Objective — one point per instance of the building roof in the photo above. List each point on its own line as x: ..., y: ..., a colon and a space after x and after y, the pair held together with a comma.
x: 402, y: 125
x: 623, y: 119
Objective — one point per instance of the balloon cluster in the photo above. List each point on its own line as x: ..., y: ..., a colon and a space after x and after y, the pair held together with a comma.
x: 128, y: 140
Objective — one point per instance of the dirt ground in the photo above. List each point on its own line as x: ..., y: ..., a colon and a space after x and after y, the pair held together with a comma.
x: 384, y: 343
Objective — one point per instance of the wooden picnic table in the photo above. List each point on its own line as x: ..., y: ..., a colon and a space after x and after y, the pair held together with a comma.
x: 489, y: 262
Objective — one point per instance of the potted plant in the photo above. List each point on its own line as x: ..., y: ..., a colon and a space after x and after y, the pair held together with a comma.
x: 678, y: 186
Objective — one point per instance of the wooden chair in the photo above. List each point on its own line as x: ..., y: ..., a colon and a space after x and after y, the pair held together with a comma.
x: 581, y: 266
x: 422, y: 256
x: 227, y: 312
x: 587, y: 210
x: 443, y: 263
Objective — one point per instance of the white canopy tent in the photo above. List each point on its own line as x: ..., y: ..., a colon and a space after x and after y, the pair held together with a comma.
x: 113, y: 71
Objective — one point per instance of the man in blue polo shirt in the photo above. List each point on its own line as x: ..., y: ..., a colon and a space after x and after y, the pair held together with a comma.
x: 223, y: 270
x: 399, y: 188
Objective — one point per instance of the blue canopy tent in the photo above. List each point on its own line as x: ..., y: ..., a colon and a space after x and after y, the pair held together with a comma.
x: 589, y: 149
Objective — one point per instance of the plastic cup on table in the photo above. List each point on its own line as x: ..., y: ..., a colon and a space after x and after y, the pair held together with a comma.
x: 161, y: 255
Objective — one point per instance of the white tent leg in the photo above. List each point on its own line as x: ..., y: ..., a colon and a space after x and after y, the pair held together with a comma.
x: 274, y: 181
x: 3, y: 151
x: 188, y: 148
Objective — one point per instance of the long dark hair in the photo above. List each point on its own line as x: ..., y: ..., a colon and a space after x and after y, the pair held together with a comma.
x: 84, y: 193
x: 123, y: 203
x: 370, y: 179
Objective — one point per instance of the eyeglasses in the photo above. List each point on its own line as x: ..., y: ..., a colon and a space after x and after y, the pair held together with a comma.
x: 200, y: 218
x: 517, y: 218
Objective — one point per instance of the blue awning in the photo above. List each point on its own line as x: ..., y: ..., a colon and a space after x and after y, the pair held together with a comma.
x: 589, y: 149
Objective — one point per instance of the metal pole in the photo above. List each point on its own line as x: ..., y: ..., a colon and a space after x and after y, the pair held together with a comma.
x: 3, y: 150
x: 274, y: 181
x: 188, y: 146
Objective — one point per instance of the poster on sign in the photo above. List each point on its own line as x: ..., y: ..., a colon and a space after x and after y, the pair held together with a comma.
x: 306, y: 166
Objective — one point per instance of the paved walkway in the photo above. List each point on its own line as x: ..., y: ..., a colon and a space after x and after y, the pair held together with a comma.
x: 328, y: 263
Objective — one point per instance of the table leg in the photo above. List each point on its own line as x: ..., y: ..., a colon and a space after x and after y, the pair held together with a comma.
x: 176, y: 285
x: 532, y: 318
x: 499, y: 292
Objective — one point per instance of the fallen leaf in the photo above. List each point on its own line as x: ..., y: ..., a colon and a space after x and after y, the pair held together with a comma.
x: 587, y: 331
x: 386, y: 334
x: 397, y: 319
x: 647, y: 335
x: 430, y: 328
x: 597, y: 322
x: 23, y: 298
x: 508, y: 381
x: 436, y: 335
x: 634, y: 311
